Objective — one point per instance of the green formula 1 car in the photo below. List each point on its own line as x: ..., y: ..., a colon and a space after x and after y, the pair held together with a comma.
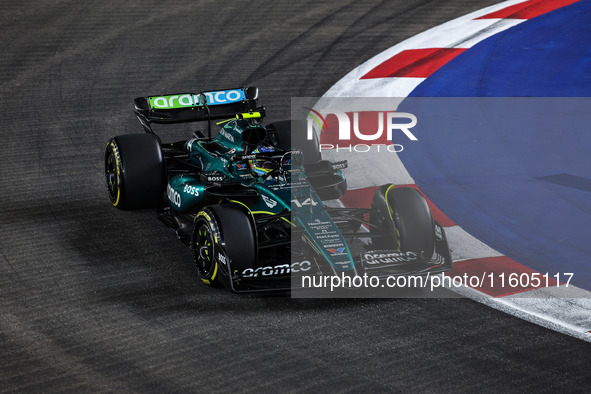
x: 250, y: 201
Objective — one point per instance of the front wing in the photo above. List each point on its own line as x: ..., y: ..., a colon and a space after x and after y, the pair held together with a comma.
x: 298, y: 258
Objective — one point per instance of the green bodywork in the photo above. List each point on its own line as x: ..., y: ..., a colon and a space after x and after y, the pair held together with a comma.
x: 289, y: 193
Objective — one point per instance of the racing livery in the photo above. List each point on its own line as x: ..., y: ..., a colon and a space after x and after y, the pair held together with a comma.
x: 250, y: 201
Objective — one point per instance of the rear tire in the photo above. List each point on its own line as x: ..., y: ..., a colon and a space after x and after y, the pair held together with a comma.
x: 134, y: 170
x: 287, y: 140
x: 223, y: 237
x: 404, y: 215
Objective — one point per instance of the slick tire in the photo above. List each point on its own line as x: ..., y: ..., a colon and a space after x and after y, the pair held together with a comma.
x: 134, y: 170
x: 403, y: 215
x: 297, y: 139
x: 223, y: 240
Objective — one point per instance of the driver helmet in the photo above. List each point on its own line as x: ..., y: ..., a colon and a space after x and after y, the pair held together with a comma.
x: 262, y: 167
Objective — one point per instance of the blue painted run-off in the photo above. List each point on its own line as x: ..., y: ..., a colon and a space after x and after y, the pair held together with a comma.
x: 515, y: 173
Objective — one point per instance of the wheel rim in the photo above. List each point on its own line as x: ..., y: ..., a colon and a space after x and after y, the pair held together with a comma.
x: 112, y: 176
x: 204, y: 250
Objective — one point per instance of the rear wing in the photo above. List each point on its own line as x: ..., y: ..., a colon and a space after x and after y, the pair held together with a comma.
x: 241, y: 103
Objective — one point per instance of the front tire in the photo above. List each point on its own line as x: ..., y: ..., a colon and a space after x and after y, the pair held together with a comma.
x: 404, y: 219
x: 134, y: 170
x: 223, y: 240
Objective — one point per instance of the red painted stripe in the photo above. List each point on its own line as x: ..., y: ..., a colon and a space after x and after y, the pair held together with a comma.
x: 528, y: 9
x: 494, y: 270
x: 414, y: 63
x: 361, y: 198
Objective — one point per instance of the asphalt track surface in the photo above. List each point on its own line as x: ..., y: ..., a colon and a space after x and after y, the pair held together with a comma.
x: 95, y: 299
